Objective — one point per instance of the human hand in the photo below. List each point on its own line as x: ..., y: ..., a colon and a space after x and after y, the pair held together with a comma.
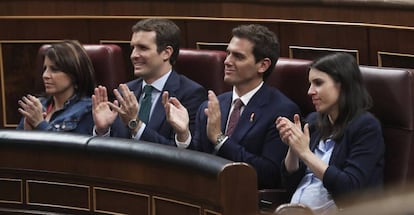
x: 126, y: 104
x: 291, y: 133
x: 213, y: 117
x: 177, y: 116
x: 103, y: 115
x: 32, y: 110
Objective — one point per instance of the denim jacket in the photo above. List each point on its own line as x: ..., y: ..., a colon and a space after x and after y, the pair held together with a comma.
x: 75, y: 116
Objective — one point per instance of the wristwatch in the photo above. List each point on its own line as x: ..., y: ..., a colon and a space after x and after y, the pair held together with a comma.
x: 133, y: 124
x: 221, y: 138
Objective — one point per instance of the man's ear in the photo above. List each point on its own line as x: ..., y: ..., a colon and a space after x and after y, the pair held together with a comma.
x: 166, y: 53
x: 263, y: 65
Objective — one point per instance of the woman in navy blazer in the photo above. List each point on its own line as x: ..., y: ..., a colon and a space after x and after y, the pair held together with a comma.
x: 340, y: 149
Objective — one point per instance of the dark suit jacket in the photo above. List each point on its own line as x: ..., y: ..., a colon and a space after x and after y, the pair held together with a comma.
x: 158, y: 130
x: 357, y: 160
x: 255, y: 139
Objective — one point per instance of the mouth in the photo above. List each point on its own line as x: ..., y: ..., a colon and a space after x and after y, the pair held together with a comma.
x: 138, y: 64
x: 48, y: 84
x: 229, y: 71
x: 315, y: 101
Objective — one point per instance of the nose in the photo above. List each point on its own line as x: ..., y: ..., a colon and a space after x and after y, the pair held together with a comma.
x: 134, y: 53
x: 227, y: 61
x: 46, y: 73
x: 311, y: 90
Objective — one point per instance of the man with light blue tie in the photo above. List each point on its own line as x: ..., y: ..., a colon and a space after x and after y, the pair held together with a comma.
x: 138, y: 112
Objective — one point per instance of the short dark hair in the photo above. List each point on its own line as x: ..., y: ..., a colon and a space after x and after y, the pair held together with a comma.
x: 167, y: 34
x: 265, y: 43
x: 71, y: 58
x: 354, y: 98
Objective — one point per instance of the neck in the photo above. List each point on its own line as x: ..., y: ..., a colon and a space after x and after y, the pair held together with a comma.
x: 60, y: 99
x: 332, y: 118
x: 164, y: 69
x: 242, y: 89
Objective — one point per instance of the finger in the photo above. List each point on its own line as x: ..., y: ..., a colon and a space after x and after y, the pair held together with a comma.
x: 94, y: 101
x: 22, y: 104
x: 125, y: 92
x: 128, y: 95
x: 27, y: 101
x: 212, y: 96
x: 213, y: 103
x: 176, y: 102
x: 23, y: 112
x: 102, y: 94
x: 306, y: 130
x: 296, y: 119
x: 119, y: 97
x: 114, y: 107
x: 165, y: 97
x: 36, y: 102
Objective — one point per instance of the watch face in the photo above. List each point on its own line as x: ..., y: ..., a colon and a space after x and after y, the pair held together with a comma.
x: 133, y: 124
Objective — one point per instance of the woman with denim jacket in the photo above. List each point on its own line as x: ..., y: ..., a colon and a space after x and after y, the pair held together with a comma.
x: 68, y: 77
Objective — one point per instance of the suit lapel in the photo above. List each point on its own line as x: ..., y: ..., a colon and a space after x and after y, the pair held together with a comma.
x: 251, y: 114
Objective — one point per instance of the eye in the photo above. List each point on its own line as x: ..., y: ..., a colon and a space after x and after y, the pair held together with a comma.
x: 318, y: 82
x: 55, y: 69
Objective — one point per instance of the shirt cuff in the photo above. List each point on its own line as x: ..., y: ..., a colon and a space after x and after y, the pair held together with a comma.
x: 220, y: 144
x: 107, y: 134
x: 138, y: 135
x: 185, y: 144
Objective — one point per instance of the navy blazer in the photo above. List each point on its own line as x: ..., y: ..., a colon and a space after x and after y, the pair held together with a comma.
x: 357, y: 160
x: 158, y: 130
x: 255, y: 139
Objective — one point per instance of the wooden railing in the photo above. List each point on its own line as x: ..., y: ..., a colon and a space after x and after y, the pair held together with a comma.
x: 44, y: 172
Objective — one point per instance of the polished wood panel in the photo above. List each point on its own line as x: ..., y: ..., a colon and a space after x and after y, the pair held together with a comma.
x: 212, y: 46
x: 365, y: 27
x: 312, y: 53
x: 18, y: 76
x: 60, y: 195
x: 326, y: 36
x: 165, y: 206
x: 112, y: 201
x: 373, y: 11
x: 400, y: 60
x: 11, y: 190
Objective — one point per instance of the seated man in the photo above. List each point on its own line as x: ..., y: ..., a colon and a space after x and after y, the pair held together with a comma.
x: 155, y: 44
x: 240, y: 125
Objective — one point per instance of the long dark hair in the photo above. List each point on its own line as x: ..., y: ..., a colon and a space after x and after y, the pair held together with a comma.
x: 354, y: 98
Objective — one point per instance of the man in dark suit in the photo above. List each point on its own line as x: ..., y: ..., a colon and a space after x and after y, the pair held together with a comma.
x: 139, y: 115
x: 252, y: 55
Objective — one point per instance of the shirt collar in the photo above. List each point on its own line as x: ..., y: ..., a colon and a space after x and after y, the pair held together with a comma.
x: 159, y: 83
x: 246, y: 97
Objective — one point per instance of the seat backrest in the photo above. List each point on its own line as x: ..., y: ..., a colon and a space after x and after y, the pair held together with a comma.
x: 205, y: 67
x: 291, y: 77
x: 107, y: 61
x: 392, y: 91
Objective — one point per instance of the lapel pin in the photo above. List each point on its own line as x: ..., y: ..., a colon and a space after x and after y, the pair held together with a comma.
x: 251, y: 117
